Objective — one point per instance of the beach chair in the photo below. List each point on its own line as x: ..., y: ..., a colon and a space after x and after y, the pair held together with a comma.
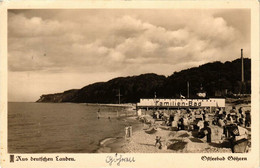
x: 240, y: 146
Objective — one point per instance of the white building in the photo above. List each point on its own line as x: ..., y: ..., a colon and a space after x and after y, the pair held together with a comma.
x: 181, y: 103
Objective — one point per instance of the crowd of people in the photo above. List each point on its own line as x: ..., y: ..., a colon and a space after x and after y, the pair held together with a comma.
x: 186, y: 118
x: 183, y: 119
x: 233, y: 122
x: 240, y: 117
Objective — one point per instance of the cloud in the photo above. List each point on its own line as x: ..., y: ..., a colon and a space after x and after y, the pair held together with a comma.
x: 115, y: 43
x: 21, y: 26
x: 121, y: 42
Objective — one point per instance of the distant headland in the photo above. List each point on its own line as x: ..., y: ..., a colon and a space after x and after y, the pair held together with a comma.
x: 217, y: 80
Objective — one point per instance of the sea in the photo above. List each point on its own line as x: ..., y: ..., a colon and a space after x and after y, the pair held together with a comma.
x: 64, y: 127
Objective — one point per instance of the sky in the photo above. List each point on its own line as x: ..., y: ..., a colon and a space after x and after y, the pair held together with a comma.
x: 53, y: 50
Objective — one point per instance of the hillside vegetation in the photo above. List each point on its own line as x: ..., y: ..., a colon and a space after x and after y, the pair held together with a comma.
x: 215, y: 78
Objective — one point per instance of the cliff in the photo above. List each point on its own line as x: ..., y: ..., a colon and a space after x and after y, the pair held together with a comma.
x: 66, y: 96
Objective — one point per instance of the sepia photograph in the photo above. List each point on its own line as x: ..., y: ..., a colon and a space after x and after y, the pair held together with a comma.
x: 128, y: 81
x: 129, y: 84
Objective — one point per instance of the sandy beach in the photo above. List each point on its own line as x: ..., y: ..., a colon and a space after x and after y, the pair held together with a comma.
x: 183, y: 141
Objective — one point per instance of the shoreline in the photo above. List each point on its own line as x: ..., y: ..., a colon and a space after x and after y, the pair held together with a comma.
x: 119, y: 144
x: 126, y: 105
x: 111, y: 145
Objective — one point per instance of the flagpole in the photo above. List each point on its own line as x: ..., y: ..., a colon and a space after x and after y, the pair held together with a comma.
x: 119, y: 95
x: 188, y: 89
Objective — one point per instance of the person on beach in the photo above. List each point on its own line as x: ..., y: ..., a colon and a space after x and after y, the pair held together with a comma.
x: 221, y: 122
x: 233, y: 110
x: 224, y: 115
x: 161, y: 115
x: 230, y: 128
x: 200, y: 124
x: 98, y: 114
x: 241, y: 116
x: 186, y: 122
x: 157, y: 114
x: 154, y: 115
x: 181, y: 124
x: 236, y: 135
x: 171, y: 118
x: 126, y: 132
x: 158, y: 141
x: 247, y: 119
x: 207, y: 131
x: 233, y: 117
x: 206, y: 116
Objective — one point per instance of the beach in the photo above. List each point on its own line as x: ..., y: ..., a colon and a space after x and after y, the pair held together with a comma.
x: 182, y: 141
x: 141, y: 142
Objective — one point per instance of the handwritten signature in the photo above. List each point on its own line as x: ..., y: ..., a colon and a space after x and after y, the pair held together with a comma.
x: 118, y: 159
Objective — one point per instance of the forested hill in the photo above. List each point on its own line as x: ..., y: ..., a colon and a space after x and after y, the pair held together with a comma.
x: 216, y: 78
